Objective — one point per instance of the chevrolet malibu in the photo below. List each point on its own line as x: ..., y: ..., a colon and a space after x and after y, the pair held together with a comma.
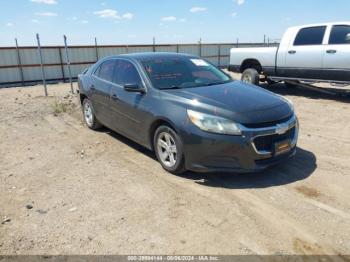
x: 192, y: 114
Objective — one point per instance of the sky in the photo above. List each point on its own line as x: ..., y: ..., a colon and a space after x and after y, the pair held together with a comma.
x: 169, y: 21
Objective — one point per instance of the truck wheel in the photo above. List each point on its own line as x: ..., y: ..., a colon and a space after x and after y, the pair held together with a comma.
x: 251, y: 76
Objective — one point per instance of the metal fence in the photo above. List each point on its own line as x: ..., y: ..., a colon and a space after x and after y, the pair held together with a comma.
x: 22, y: 65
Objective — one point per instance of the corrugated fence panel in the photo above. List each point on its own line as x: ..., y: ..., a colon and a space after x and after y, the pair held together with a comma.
x: 79, y: 55
x: 29, y: 56
x: 34, y: 73
x: 8, y: 57
x: 110, y: 51
x: 82, y: 57
x: 224, y: 61
x: 9, y: 75
x: 189, y: 49
x: 225, y: 49
x: 172, y: 48
x: 210, y: 50
x: 50, y: 56
x: 140, y: 49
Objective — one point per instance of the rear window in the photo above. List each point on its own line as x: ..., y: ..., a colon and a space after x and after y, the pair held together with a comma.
x: 340, y: 35
x: 310, y: 36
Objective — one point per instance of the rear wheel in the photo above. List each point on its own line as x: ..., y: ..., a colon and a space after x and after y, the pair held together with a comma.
x: 169, y: 150
x: 89, y: 115
x: 251, y: 76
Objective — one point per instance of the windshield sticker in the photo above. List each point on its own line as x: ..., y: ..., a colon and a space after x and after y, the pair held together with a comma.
x: 199, y: 62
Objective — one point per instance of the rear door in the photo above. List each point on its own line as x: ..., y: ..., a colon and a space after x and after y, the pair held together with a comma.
x: 337, y: 54
x: 304, y: 57
x: 100, y: 90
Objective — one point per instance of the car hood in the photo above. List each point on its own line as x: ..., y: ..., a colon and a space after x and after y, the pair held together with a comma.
x: 241, y: 102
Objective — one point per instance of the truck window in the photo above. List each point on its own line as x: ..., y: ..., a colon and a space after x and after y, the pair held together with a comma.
x: 310, y: 36
x: 340, y: 35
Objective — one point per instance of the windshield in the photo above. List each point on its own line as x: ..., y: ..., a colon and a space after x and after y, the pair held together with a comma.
x: 183, y: 72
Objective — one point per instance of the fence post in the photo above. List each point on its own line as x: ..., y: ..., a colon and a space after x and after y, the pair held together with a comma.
x: 219, y: 55
x: 154, y: 44
x: 177, y: 48
x: 61, y: 62
x: 41, y: 63
x: 96, y: 49
x: 68, y: 64
x: 237, y: 42
x: 19, y: 62
x: 127, y: 48
x: 200, y: 47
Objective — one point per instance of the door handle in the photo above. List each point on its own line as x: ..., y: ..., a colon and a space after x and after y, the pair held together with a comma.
x: 292, y: 52
x: 114, y: 97
x: 92, y: 87
x: 331, y: 51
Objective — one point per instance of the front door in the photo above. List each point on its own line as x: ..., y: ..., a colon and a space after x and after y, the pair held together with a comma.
x: 129, y: 106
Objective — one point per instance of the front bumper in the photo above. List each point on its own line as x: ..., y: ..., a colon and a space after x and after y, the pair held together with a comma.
x: 252, y: 151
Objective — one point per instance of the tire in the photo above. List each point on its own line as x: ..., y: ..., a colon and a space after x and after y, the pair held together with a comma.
x: 171, y: 158
x: 251, y: 76
x: 89, y: 115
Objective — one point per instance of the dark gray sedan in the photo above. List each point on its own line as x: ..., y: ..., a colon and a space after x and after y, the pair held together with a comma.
x: 192, y: 114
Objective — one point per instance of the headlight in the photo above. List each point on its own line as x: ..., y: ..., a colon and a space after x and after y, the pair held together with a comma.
x: 213, y: 124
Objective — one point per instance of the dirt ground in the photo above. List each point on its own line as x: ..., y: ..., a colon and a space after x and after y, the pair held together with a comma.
x: 68, y: 190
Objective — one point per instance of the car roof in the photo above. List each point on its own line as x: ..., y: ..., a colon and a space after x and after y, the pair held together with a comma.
x: 321, y: 24
x: 151, y: 55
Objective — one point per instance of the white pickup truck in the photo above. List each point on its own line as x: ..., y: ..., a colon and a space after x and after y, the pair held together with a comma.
x: 310, y: 53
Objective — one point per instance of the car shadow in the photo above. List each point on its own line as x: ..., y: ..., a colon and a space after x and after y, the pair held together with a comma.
x: 295, y: 169
x: 282, y: 89
x: 128, y: 142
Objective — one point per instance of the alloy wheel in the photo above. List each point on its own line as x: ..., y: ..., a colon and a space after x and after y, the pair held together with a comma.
x: 167, y: 149
x: 88, y: 115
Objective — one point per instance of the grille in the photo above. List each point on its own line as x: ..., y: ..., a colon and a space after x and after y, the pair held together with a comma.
x: 266, y: 143
x: 268, y: 124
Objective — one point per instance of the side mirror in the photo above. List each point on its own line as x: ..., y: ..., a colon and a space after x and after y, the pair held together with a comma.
x: 347, y: 38
x: 136, y: 88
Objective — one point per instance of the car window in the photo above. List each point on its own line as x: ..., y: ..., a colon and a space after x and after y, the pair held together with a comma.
x: 126, y: 73
x: 310, y: 36
x: 340, y: 35
x: 106, y: 70
x: 182, y: 72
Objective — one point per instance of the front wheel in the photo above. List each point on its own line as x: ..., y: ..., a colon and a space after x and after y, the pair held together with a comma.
x: 169, y: 150
x: 251, y: 76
